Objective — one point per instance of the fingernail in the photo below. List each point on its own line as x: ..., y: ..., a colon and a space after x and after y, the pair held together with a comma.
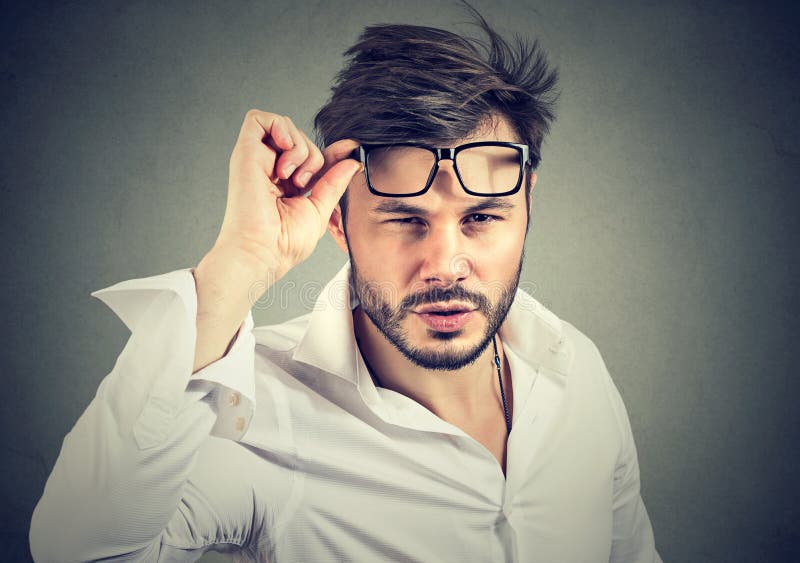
x: 304, y: 178
x: 287, y: 171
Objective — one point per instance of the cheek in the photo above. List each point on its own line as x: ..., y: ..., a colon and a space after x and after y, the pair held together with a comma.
x: 386, y: 265
x: 379, y: 246
x: 503, y: 246
x: 496, y: 269
x: 383, y: 257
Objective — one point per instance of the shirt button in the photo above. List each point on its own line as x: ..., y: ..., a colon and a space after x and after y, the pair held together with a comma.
x: 240, y: 424
x: 233, y: 399
x: 508, y: 510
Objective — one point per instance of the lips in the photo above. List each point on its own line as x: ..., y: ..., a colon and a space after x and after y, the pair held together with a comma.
x: 445, y: 309
x: 445, y: 318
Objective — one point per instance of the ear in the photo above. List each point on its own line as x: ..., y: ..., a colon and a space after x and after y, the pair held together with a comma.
x: 530, y: 198
x: 336, y: 229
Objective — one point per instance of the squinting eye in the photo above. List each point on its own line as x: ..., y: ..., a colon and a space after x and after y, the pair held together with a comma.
x: 414, y: 222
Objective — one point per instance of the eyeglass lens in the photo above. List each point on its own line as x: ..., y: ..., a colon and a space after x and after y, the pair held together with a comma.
x: 483, y: 169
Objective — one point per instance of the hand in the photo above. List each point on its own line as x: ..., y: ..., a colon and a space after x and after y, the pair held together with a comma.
x: 269, y: 222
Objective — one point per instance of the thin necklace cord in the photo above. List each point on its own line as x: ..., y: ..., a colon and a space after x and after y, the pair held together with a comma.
x: 500, y: 379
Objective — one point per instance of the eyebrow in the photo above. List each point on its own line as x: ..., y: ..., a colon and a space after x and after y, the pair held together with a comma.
x: 491, y: 203
x: 399, y: 208
x: 402, y: 208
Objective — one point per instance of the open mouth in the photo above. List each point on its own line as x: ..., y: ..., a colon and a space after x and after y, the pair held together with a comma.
x: 447, y: 313
x: 445, y: 309
x: 446, y: 320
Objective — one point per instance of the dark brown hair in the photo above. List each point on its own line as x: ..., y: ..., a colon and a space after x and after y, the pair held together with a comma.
x: 416, y: 84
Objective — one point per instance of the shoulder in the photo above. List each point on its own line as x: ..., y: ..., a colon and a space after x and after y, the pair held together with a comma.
x: 548, y: 341
x: 554, y: 343
x: 589, y: 371
x: 584, y: 352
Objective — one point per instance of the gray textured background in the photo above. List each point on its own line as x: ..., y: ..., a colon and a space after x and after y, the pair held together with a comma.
x: 664, y: 225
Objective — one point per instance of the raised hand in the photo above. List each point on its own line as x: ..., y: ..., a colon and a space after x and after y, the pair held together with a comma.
x: 270, y: 219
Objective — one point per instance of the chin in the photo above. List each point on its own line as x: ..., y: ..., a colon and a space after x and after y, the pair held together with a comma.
x: 445, y: 336
x: 445, y: 353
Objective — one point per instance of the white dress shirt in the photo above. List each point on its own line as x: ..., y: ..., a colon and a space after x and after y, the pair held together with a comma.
x: 284, y: 450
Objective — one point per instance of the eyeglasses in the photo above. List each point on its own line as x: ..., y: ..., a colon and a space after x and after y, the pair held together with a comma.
x: 485, y: 168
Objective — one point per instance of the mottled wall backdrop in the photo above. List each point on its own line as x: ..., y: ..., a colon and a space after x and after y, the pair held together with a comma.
x: 664, y: 222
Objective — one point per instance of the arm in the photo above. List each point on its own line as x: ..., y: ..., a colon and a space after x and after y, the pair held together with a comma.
x: 122, y: 470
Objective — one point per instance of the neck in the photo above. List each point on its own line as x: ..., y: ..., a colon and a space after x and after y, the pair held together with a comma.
x: 458, y: 396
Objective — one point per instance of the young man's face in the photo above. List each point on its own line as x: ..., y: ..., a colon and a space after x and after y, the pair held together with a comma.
x: 412, y: 257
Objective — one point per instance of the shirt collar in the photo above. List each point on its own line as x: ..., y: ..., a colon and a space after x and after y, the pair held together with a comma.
x: 530, y: 329
x: 329, y: 341
x: 534, y: 333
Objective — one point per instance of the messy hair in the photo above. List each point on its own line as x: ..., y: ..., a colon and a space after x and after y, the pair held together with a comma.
x: 417, y: 84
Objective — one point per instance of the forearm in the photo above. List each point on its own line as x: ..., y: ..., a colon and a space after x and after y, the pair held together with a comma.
x: 227, y: 288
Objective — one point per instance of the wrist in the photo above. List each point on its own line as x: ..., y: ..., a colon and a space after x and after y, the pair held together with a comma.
x: 230, y: 283
x: 250, y: 263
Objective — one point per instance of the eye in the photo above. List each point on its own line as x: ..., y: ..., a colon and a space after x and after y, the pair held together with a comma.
x: 406, y: 221
x: 481, y: 218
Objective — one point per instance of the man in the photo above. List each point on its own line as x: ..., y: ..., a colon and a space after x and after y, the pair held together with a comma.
x: 426, y: 410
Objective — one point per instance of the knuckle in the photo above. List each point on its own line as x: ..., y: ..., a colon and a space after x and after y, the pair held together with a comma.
x: 316, y: 160
x: 302, y: 150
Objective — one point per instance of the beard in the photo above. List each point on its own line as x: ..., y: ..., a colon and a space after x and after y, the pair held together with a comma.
x: 376, y: 304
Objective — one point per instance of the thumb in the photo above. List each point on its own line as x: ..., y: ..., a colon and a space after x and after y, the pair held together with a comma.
x: 329, y: 188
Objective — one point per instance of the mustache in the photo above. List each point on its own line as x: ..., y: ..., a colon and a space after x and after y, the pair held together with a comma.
x: 444, y: 294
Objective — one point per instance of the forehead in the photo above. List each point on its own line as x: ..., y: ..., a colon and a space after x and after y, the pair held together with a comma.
x: 494, y: 128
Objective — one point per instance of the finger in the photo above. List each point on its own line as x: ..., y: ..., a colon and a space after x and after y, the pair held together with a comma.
x: 327, y: 191
x: 261, y: 137
x: 260, y: 126
x: 311, y: 166
x: 291, y: 159
x: 338, y: 151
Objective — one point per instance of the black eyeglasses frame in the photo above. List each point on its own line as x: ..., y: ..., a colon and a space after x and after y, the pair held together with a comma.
x: 445, y: 153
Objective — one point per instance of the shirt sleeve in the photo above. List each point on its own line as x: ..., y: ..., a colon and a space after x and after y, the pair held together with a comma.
x: 121, y: 475
x: 632, y: 534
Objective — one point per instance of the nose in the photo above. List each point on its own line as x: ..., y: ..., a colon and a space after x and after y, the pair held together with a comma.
x: 445, y: 258
x: 446, y: 180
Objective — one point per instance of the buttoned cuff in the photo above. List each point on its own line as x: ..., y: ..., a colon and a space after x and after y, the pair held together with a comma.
x: 233, y: 375
x: 165, y: 307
